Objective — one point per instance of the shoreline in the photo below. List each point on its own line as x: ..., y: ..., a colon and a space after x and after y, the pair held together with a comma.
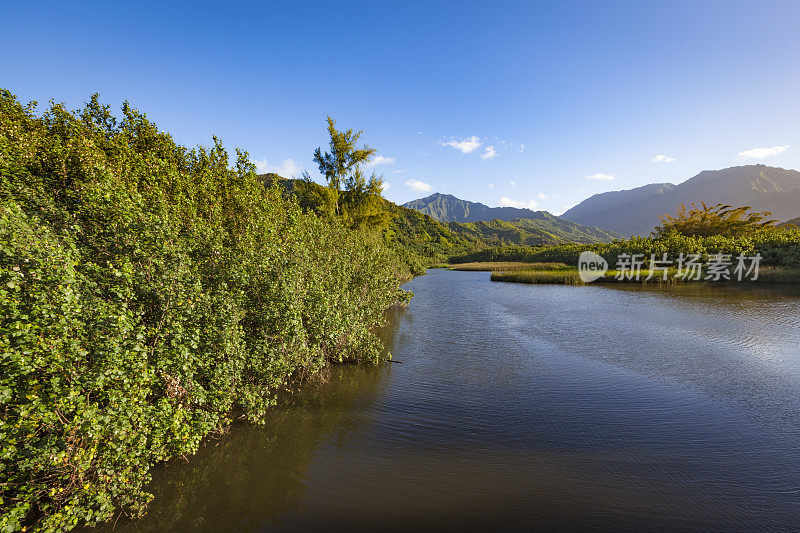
x: 562, y: 274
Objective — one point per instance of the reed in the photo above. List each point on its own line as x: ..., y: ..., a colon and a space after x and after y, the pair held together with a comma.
x: 509, y: 266
x: 778, y: 275
x: 559, y: 277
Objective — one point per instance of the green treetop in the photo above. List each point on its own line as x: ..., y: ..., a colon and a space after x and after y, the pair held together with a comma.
x: 352, y: 195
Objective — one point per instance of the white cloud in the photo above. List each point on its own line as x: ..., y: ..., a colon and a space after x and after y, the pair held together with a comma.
x: 601, y: 177
x: 761, y: 153
x: 512, y: 183
x: 489, y: 153
x: 505, y: 201
x: 418, y: 185
x: 419, y: 133
x: 386, y: 185
x: 287, y: 169
x: 380, y: 160
x: 401, y: 171
x: 661, y: 158
x: 543, y: 196
x: 491, y: 185
x: 521, y: 147
x: 465, y: 146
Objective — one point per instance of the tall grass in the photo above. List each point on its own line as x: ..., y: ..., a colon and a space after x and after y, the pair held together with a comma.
x: 509, y: 266
x: 778, y: 275
x: 558, y: 277
x: 569, y: 276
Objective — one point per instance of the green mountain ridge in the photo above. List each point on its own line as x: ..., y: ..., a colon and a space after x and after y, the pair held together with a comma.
x: 448, y: 208
x: 511, y: 224
x: 424, y: 235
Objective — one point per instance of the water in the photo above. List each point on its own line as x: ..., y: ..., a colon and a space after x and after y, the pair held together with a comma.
x: 519, y: 406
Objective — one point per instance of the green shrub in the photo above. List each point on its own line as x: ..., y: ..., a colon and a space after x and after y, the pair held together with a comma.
x: 779, y: 247
x: 147, y: 291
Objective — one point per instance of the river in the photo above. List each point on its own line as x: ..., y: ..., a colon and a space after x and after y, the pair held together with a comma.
x: 519, y: 406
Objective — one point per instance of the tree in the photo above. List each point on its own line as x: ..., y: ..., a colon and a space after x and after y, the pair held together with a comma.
x: 354, y: 197
x: 717, y: 220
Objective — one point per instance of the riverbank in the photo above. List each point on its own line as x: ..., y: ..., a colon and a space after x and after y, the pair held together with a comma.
x: 562, y: 274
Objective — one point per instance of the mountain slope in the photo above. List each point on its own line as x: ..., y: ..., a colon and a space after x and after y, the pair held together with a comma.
x: 423, y: 234
x: 637, y: 211
x: 506, y: 224
x: 448, y: 208
x: 548, y: 229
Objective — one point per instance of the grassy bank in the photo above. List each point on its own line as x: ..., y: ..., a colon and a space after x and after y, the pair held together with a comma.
x: 558, y: 277
x: 779, y: 247
x: 507, y: 266
x: 569, y: 276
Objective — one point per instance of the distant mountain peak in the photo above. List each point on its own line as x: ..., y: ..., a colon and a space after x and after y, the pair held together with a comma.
x: 637, y: 211
x: 448, y: 208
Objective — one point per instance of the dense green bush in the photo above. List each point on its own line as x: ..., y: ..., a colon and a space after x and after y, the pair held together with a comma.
x: 147, y: 292
x: 779, y: 247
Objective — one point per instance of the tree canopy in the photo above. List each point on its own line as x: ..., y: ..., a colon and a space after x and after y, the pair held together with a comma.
x: 352, y: 195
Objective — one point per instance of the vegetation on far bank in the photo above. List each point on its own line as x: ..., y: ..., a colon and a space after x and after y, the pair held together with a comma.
x: 508, y: 266
x: 779, y: 247
x: 704, y: 231
x: 570, y: 276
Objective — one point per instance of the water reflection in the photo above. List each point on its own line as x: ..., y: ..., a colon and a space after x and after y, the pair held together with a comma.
x: 253, y: 476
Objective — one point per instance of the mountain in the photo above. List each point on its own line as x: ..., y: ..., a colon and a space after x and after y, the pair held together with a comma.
x: 421, y: 233
x: 545, y: 229
x: 638, y: 211
x: 503, y: 225
x: 448, y: 208
x: 794, y: 221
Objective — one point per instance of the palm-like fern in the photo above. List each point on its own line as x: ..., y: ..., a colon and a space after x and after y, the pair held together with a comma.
x: 720, y: 219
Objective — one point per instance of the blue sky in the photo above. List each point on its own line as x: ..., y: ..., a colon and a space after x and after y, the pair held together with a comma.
x: 519, y: 103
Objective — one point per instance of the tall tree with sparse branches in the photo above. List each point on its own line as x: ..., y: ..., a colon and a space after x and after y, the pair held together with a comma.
x: 355, y: 197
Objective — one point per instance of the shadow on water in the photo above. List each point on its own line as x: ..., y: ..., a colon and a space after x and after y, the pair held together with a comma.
x: 252, y: 476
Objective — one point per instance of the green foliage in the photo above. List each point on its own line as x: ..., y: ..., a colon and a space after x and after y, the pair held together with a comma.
x: 546, y: 229
x: 353, y: 197
x: 418, y: 239
x: 779, y: 247
x: 720, y: 219
x: 147, y: 291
